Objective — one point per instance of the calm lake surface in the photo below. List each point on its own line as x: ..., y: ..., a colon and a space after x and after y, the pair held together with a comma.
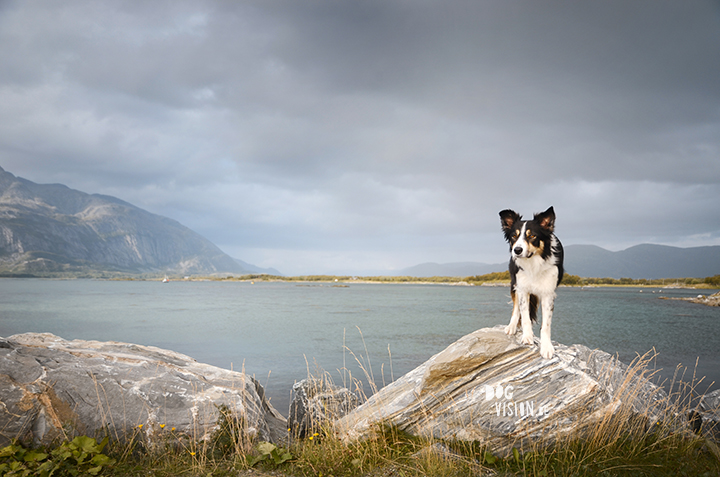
x: 279, y: 331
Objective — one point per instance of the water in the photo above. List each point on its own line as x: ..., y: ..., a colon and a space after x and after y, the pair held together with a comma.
x: 280, y: 331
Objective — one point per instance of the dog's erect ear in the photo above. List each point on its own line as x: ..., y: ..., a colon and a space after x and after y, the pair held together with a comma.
x: 546, y: 219
x: 508, y: 218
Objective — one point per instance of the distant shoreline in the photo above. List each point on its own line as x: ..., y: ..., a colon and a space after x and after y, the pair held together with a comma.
x: 498, y: 279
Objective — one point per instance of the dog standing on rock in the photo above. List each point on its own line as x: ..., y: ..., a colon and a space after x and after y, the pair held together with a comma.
x: 536, y: 269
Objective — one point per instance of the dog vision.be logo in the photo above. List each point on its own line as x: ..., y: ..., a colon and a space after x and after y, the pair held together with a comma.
x: 506, y: 406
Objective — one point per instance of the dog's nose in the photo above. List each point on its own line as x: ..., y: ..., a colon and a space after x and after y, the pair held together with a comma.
x: 518, y: 250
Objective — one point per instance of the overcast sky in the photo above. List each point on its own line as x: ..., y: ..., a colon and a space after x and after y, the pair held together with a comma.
x: 369, y: 136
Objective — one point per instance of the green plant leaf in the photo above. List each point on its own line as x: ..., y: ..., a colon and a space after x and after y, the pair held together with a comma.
x: 87, y: 444
x: 253, y: 460
x: 490, y: 458
x: 102, y: 460
x: 281, y: 457
x: 7, y: 451
x: 516, y: 455
x: 47, y: 467
x: 266, y: 448
x: 34, y: 456
x: 102, y: 444
x: 95, y: 470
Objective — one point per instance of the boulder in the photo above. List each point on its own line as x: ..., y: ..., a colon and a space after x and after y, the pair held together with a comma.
x: 51, y: 388
x: 705, y: 418
x: 488, y: 387
x: 316, y: 402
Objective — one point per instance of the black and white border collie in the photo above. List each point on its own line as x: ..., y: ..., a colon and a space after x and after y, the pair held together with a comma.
x: 536, y: 269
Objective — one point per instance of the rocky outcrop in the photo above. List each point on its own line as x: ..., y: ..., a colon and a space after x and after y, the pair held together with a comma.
x: 49, y: 228
x: 50, y: 388
x: 315, y: 403
x: 711, y: 300
x: 490, y: 388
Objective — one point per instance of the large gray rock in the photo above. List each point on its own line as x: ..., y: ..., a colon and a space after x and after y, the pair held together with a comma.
x: 705, y: 418
x: 316, y: 402
x: 488, y: 387
x: 50, y: 387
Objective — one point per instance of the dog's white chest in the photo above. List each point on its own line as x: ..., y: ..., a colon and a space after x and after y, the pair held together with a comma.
x: 536, y: 275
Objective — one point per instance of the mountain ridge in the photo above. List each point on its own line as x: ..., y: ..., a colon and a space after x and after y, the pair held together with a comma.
x: 48, y: 229
x: 650, y: 261
x: 53, y: 230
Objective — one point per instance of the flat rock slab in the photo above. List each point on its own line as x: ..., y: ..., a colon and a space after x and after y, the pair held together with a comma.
x: 489, y: 387
x: 50, y: 388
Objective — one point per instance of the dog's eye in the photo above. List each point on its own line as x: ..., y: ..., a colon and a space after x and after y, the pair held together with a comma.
x: 531, y: 236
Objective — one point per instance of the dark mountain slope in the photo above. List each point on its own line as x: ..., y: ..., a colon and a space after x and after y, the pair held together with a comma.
x: 50, y: 228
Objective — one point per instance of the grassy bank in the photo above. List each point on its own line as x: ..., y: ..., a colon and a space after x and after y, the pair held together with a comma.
x: 498, y: 278
x: 388, y: 452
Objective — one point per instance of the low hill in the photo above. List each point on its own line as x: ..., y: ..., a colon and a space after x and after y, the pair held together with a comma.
x: 50, y: 229
x: 250, y: 268
x: 641, y: 261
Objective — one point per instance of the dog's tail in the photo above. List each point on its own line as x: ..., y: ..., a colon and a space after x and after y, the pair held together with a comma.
x: 533, y: 308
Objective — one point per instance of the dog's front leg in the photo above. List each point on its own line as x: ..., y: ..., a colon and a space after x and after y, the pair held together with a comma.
x: 547, y: 350
x: 527, y: 331
x: 515, y: 318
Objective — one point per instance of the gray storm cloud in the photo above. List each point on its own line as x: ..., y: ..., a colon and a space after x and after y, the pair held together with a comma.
x: 374, y: 135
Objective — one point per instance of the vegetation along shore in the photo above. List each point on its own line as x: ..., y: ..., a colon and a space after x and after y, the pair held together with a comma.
x: 490, y: 279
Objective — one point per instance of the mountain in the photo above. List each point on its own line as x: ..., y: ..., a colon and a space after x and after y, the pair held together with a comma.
x: 250, y: 268
x: 48, y: 229
x: 641, y: 261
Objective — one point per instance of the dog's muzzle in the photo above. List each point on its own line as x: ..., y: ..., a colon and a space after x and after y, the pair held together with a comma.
x: 520, y: 252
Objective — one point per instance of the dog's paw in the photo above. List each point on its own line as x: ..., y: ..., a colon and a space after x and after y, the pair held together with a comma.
x: 528, y: 338
x: 510, y: 330
x: 547, y: 350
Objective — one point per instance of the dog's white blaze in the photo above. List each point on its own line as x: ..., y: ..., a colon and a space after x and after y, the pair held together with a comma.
x: 521, y: 242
